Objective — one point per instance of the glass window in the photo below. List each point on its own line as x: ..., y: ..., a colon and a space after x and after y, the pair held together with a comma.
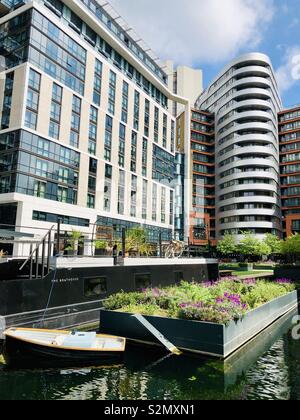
x: 34, y: 80
x: 94, y: 287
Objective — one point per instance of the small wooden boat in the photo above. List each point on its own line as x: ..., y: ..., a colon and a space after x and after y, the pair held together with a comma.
x: 38, y: 345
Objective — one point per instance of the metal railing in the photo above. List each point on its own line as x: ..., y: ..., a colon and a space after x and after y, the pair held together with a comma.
x: 39, y: 267
x: 94, y: 241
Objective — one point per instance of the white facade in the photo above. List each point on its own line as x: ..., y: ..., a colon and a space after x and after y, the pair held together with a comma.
x: 186, y: 82
x: 245, y: 100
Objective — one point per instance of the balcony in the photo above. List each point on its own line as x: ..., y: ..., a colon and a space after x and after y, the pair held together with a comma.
x: 4, y: 7
x: 7, y: 5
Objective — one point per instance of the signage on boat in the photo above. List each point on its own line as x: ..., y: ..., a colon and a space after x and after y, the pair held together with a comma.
x: 66, y: 280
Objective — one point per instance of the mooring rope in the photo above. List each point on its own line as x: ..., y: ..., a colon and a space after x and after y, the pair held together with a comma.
x: 42, y: 322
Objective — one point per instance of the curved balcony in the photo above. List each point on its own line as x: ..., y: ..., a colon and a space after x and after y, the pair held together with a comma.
x: 248, y: 127
x: 248, y: 150
x: 250, y: 212
x: 248, y: 62
x: 252, y: 70
x: 248, y: 225
x: 246, y: 138
x: 254, y: 104
x: 246, y: 200
x: 250, y: 175
x: 255, y: 82
x: 239, y: 117
x: 266, y: 163
x: 260, y: 94
x: 247, y: 187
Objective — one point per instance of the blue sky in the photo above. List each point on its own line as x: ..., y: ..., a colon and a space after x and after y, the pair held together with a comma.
x: 209, y: 33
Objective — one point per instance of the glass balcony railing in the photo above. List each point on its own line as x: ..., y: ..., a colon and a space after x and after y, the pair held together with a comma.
x: 12, y: 3
x: 108, y: 16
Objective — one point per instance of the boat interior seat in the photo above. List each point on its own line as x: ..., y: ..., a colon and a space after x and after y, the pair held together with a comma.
x: 81, y: 340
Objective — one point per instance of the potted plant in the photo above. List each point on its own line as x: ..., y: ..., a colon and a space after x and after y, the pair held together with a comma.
x: 101, y: 247
x: 73, y: 243
x: 136, y: 243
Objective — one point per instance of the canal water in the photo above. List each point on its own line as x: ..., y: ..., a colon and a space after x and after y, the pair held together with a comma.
x: 267, y: 368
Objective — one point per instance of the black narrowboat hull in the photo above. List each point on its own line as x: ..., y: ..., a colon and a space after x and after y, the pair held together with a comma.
x: 69, y: 295
x: 18, y: 352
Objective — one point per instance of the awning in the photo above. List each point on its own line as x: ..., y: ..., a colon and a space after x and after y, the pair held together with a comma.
x: 11, y: 234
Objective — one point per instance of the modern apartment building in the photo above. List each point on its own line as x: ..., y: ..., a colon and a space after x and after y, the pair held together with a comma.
x: 289, y: 138
x: 201, y: 212
x: 245, y: 101
x: 87, y: 133
x: 185, y: 82
x: 97, y: 133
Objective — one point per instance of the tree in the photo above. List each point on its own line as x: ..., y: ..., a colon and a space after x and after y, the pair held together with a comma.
x: 264, y: 249
x: 227, y: 246
x: 291, y: 248
x: 274, y: 243
x: 136, y: 242
x: 252, y: 247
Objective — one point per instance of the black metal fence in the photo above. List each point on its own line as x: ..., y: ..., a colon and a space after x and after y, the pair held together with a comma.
x: 97, y: 241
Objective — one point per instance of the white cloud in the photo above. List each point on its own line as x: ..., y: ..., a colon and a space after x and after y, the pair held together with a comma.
x: 190, y: 31
x: 289, y: 73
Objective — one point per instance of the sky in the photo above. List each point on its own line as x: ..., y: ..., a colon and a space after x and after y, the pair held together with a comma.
x: 207, y: 34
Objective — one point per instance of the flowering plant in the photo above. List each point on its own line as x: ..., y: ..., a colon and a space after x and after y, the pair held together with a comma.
x: 214, y: 301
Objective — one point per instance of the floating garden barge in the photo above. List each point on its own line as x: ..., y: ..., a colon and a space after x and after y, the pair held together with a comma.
x: 212, y: 322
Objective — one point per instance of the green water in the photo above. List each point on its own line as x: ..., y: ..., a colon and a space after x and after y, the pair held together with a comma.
x: 267, y: 368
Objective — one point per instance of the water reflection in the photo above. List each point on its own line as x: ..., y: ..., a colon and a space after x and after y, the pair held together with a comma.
x: 267, y: 368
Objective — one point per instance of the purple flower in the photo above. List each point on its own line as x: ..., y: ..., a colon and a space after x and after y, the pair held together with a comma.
x: 250, y: 282
x: 283, y: 281
x: 157, y: 292
x: 231, y: 299
x: 191, y: 305
x: 208, y: 284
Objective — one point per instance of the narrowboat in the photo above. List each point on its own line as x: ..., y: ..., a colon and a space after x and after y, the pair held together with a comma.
x: 70, y: 292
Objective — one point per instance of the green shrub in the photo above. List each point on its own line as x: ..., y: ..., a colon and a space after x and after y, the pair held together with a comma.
x: 122, y: 299
x: 146, y: 309
x: 218, y: 302
x: 263, y: 293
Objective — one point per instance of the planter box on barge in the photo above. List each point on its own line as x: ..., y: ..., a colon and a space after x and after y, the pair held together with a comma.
x: 216, y: 340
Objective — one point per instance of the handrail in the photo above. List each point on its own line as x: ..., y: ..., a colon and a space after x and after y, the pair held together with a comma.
x: 36, y: 249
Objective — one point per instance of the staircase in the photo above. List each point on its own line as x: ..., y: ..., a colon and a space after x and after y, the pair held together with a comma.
x: 38, y: 262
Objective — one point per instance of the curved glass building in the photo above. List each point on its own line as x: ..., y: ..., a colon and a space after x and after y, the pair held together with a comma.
x: 246, y: 101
